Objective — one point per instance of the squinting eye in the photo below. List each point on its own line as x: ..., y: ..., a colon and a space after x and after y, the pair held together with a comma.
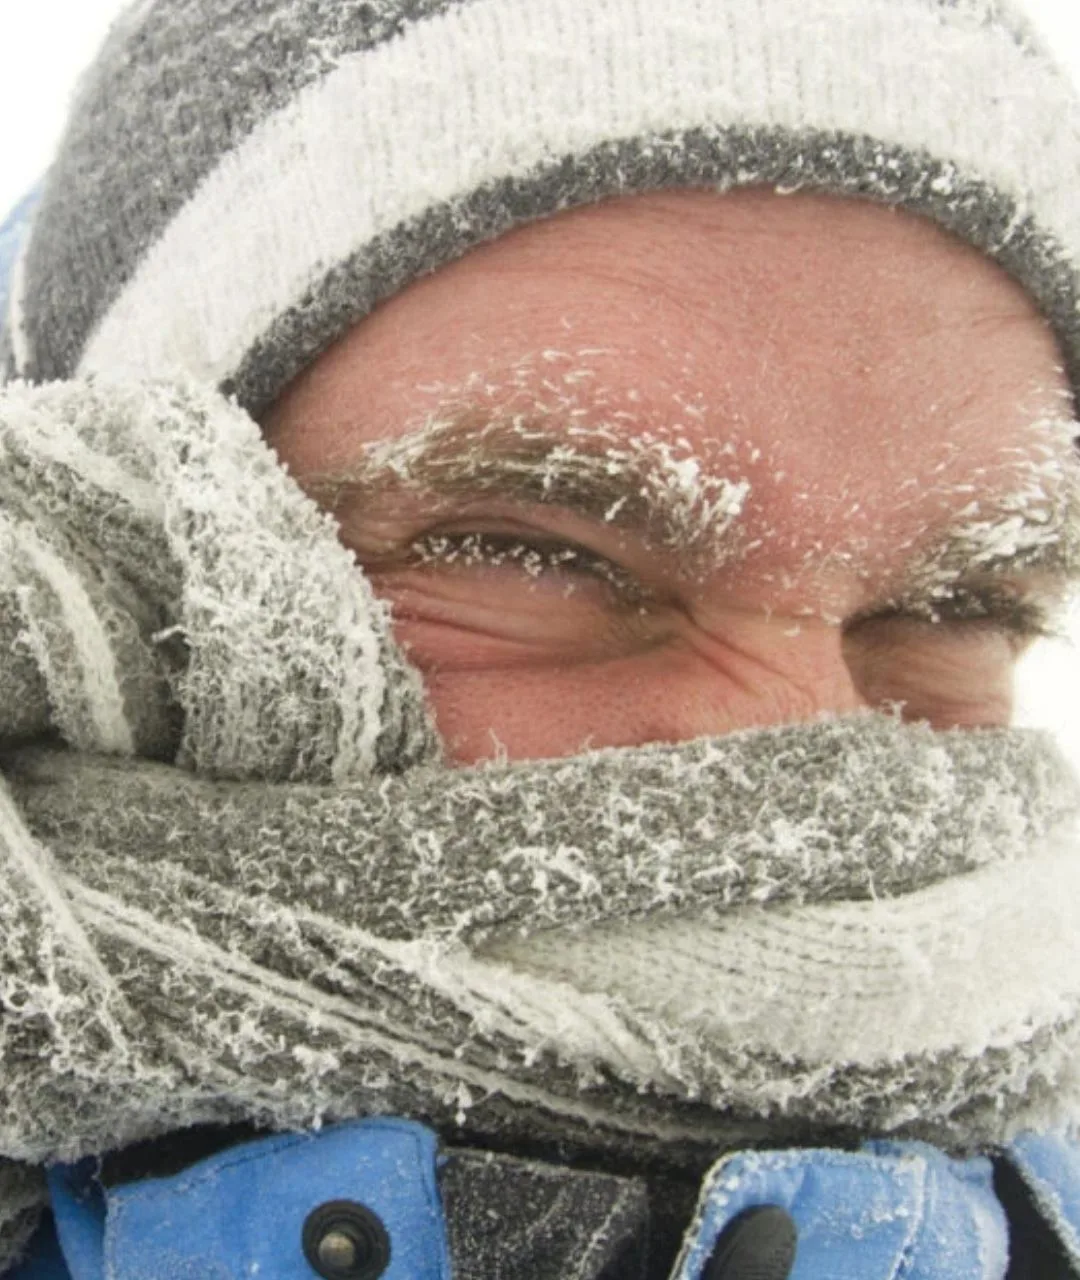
x: 991, y: 608
x: 533, y: 559
x: 1025, y: 618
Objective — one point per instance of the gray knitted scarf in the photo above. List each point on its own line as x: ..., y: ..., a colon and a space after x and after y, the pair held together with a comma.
x: 238, y: 884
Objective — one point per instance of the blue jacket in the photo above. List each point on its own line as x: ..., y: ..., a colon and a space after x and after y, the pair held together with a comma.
x: 265, y: 1208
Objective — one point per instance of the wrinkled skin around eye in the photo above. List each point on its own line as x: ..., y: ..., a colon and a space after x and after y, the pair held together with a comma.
x: 949, y: 675
x: 537, y: 653
x: 866, y: 383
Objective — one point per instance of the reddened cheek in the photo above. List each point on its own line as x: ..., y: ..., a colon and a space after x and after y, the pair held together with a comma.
x: 536, y: 669
x: 491, y: 696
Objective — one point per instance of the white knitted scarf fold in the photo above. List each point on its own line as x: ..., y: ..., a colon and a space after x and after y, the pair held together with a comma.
x: 239, y: 885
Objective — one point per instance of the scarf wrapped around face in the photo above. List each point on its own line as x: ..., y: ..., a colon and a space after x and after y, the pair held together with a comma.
x: 239, y: 885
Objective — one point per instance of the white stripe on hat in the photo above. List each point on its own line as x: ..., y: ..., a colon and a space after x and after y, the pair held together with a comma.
x: 496, y: 88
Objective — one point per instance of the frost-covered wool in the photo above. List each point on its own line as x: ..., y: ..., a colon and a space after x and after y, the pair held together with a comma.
x: 243, y: 180
x: 238, y: 884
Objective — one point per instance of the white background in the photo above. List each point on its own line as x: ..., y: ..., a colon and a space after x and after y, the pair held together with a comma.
x: 45, y: 43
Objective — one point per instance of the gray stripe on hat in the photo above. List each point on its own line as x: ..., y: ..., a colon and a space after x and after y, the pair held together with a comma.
x: 725, y: 158
x: 176, y: 85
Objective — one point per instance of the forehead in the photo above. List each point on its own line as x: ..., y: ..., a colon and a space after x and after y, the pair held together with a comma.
x: 847, y: 360
x: 748, y: 296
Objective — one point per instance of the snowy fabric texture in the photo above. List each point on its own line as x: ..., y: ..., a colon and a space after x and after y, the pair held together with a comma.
x: 238, y: 883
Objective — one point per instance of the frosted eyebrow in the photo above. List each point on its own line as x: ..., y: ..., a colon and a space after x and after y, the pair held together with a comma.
x: 652, y: 489
x: 657, y: 491
x: 1009, y: 536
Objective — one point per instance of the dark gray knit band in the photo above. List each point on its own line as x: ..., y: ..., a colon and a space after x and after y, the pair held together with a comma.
x: 944, y: 107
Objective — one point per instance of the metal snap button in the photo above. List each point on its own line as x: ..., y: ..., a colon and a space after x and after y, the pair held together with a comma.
x: 344, y: 1240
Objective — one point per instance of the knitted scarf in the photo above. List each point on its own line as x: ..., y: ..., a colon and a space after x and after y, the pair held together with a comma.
x: 239, y: 885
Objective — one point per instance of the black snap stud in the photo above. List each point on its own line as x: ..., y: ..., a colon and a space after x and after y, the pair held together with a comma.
x: 344, y: 1240
x: 759, y: 1244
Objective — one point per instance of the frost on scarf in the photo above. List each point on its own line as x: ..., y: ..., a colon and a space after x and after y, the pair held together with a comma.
x: 239, y: 885
x: 161, y: 562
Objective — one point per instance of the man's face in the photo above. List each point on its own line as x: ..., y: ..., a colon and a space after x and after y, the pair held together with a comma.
x: 684, y: 463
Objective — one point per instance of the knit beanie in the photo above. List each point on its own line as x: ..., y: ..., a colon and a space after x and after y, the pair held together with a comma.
x: 243, y: 180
